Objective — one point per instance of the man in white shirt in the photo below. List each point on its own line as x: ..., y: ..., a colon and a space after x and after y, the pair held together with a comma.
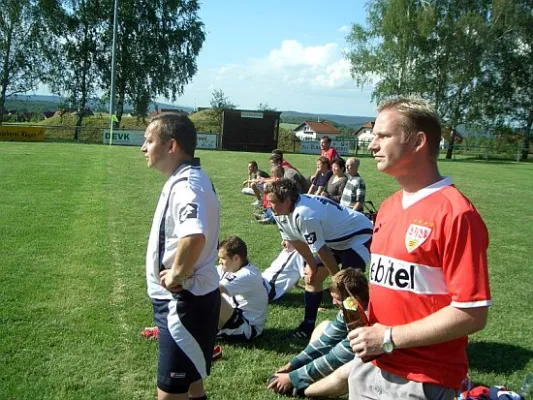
x: 244, y: 305
x: 180, y: 260
x: 323, y: 232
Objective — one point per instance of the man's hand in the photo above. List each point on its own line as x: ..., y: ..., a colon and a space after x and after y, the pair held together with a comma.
x: 367, y: 341
x: 285, y: 369
x: 170, y: 280
x: 309, y: 273
x: 281, y: 384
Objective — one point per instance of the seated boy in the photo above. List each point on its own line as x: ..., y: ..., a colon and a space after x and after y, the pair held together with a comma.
x: 254, y: 183
x: 284, y: 272
x: 319, y: 369
x: 243, y: 309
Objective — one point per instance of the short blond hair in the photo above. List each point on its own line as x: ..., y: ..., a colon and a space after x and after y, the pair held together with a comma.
x: 418, y: 116
x: 351, y: 280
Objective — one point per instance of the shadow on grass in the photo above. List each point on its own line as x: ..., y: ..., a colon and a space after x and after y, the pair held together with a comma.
x: 296, y: 299
x: 272, y: 339
x: 501, y: 358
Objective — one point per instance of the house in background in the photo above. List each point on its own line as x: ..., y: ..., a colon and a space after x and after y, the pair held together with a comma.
x: 309, y: 130
x: 364, y: 133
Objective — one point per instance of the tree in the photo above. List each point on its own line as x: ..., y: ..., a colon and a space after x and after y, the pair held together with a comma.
x: 266, y: 107
x: 77, y: 53
x: 219, y: 102
x: 21, y: 28
x: 432, y: 49
x: 158, y: 43
x: 508, y: 83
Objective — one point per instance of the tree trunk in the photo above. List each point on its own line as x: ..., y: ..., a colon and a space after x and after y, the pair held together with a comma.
x: 119, y: 106
x: 5, y: 76
x: 527, y: 135
x: 449, y: 153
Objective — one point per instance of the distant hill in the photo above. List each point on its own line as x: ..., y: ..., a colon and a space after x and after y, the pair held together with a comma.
x: 41, y: 103
x: 295, y: 117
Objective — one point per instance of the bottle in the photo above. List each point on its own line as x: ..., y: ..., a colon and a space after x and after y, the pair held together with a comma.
x: 527, y: 386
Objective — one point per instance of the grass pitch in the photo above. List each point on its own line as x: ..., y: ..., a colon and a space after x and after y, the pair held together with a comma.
x: 75, y: 221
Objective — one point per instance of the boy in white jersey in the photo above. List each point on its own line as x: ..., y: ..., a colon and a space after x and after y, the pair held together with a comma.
x: 244, y: 302
x: 180, y: 259
x: 317, y: 226
x: 284, y: 272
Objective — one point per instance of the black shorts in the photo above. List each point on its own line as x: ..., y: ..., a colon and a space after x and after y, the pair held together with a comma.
x: 187, y: 329
x: 348, y: 258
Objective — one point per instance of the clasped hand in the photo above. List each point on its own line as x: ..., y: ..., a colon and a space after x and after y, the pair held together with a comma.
x: 170, y: 280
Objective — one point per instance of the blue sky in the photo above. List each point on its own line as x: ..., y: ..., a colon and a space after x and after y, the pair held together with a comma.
x: 288, y: 54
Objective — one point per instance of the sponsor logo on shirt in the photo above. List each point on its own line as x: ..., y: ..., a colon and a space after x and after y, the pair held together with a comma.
x: 310, y: 238
x: 188, y: 211
x: 401, y: 275
x: 416, y: 235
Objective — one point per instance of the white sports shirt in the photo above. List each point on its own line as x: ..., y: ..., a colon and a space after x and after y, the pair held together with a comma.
x: 246, y: 292
x: 284, y: 272
x: 319, y: 221
x: 188, y: 205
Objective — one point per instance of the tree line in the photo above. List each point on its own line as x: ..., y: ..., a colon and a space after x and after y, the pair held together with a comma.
x: 472, y: 58
x: 67, y: 45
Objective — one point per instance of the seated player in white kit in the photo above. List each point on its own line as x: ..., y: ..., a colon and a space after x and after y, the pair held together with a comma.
x: 243, y: 310
x: 284, y: 272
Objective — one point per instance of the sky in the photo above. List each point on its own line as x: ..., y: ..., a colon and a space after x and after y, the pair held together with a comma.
x: 287, y: 54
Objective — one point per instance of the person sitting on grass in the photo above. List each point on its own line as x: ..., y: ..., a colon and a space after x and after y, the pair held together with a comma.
x: 321, y: 369
x: 254, y: 183
x: 320, y: 180
x: 243, y: 309
x: 265, y: 216
x: 284, y: 272
x: 337, y: 182
x: 244, y: 300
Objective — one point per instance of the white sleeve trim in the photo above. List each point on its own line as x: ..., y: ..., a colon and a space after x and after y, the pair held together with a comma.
x: 472, y: 304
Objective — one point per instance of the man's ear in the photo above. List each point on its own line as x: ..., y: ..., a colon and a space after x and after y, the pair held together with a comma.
x: 173, y: 146
x: 420, y: 140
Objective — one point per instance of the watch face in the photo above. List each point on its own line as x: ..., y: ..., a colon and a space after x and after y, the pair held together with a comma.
x: 388, y: 347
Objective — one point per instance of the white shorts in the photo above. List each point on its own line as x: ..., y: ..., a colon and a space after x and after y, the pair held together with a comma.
x: 238, y: 327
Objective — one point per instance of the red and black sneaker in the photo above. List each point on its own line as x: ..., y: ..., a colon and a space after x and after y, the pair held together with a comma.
x: 217, y: 353
x: 151, y: 333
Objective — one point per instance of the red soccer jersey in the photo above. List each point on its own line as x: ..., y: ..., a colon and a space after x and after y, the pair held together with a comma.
x: 429, y: 251
x: 286, y: 164
x: 331, y: 154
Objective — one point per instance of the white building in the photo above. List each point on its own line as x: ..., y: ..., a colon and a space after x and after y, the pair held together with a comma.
x: 310, y: 130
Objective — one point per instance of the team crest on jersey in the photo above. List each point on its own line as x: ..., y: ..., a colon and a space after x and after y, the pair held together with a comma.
x: 190, y: 210
x: 416, y: 235
x: 310, y: 238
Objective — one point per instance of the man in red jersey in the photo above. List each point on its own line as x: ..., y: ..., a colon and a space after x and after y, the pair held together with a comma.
x: 429, y: 286
x: 326, y: 150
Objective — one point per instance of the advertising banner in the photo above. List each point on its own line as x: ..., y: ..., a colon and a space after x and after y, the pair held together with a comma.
x: 22, y: 133
x: 343, y: 146
x: 136, y: 138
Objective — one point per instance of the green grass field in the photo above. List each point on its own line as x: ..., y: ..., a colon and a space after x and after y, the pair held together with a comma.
x: 75, y: 220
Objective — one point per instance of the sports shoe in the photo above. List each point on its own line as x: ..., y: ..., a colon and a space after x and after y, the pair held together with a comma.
x: 217, y: 353
x: 266, y: 221
x: 259, y: 216
x: 302, y: 332
x: 257, y: 203
x: 151, y: 333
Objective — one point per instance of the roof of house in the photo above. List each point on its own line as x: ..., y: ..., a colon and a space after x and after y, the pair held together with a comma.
x: 368, y: 125
x: 322, y: 128
x: 49, y: 114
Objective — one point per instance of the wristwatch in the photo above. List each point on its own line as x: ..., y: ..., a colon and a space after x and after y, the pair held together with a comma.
x: 387, y: 346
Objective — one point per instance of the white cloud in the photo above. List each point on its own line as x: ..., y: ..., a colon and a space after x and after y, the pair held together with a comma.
x: 291, y: 76
x: 344, y: 29
x: 292, y: 53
